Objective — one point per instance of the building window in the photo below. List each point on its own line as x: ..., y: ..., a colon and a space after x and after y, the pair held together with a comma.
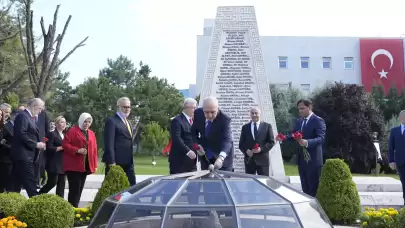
x: 306, y: 88
x: 326, y: 62
x: 348, y: 62
x: 305, y: 62
x: 282, y: 62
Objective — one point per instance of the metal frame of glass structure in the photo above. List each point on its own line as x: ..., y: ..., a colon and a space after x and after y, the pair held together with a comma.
x: 216, y: 199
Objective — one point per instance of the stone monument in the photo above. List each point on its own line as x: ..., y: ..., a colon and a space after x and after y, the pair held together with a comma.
x: 235, y: 75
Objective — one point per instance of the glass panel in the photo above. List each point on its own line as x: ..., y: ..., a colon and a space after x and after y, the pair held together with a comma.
x: 140, y: 185
x: 103, y: 214
x: 277, y: 216
x: 290, y: 194
x: 326, y: 65
x: 251, y: 192
x: 214, y: 217
x: 282, y: 64
x: 312, y: 215
x: 128, y: 215
x: 203, y: 192
x: 158, y: 193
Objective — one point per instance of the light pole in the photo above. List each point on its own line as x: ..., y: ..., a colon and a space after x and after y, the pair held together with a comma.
x: 378, y: 158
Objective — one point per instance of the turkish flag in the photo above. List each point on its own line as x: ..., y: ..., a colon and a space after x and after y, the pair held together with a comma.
x: 382, y: 63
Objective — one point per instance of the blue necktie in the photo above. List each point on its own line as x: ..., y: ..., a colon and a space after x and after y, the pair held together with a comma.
x: 207, y: 133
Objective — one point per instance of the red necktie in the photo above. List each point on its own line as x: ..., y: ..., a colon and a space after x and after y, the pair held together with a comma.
x: 191, y: 121
x: 33, y: 118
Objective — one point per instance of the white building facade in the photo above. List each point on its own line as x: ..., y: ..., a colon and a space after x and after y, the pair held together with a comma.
x: 306, y: 62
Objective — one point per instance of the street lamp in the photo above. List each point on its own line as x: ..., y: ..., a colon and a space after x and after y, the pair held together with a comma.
x: 378, y: 159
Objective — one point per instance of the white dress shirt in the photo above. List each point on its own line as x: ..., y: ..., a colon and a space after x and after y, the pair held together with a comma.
x: 252, y: 127
x: 402, y: 128
x: 188, y: 118
x: 307, y: 118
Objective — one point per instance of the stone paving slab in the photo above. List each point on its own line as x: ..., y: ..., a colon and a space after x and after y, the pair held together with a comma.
x: 365, y: 184
x: 371, y: 199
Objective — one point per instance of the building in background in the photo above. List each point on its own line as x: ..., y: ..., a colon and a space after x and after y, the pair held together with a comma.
x: 190, y: 92
x: 311, y: 62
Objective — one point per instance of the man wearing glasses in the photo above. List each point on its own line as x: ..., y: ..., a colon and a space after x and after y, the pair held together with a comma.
x: 118, y: 143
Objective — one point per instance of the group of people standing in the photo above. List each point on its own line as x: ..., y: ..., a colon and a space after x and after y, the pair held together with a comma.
x: 205, y: 133
x: 27, y: 144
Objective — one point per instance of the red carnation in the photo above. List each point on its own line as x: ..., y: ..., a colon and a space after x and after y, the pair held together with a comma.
x: 44, y: 139
x: 297, y: 135
x: 118, y: 197
x: 256, y: 146
x: 196, y: 147
x: 281, y: 136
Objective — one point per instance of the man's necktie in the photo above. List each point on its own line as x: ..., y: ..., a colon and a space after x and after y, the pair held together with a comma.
x: 255, y: 130
x: 303, y: 124
x: 207, y: 133
x: 33, y: 118
x: 191, y: 121
x: 128, y: 126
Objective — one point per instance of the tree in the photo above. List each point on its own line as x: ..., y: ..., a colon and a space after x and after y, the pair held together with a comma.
x: 42, y: 67
x: 286, y: 112
x: 12, y: 69
x: 351, y: 116
x: 154, y: 138
x: 61, y: 98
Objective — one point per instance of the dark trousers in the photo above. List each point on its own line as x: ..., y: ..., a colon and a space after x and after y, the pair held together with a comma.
x: 23, y: 172
x: 129, y: 171
x: 309, y: 176
x: 252, y: 168
x: 401, y: 172
x: 76, y: 182
x: 39, y: 170
x: 55, y: 179
x: 178, y: 167
x: 6, y: 179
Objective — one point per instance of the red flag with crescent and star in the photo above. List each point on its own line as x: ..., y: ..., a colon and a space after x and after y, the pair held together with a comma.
x: 382, y: 63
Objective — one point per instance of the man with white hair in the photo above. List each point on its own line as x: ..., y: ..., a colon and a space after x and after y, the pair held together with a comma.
x: 212, y: 133
x: 118, y: 140
x: 6, y: 109
x: 26, y: 147
x: 396, y: 150
x: 182, y: 158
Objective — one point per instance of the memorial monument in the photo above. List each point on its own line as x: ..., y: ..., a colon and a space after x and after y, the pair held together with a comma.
x: 235, y: 74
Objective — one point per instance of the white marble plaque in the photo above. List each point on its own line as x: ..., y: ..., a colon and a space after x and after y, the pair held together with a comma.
x: 235, y: 74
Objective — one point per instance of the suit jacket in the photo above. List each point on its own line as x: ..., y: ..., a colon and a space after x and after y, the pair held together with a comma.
x: 265, y: 139
x: 220, y: 138
x: 314, y: 132
x: 118, y: 144
x: 396, y: 146
x: 43, y: 124
x: 7, y: 134
x: 26, y: 137
x: 54, y: 159
x: 182, y: 142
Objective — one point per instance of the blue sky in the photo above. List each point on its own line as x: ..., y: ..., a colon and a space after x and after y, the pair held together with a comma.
x: 162, y: 33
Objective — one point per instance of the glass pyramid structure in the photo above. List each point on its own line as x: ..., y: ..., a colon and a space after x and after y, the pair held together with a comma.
x: 210, y: 199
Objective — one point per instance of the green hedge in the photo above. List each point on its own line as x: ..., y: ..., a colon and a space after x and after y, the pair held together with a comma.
x: 337, y: 193
x: 11, y: 203
x: 47, y: 211
x: 115, y: 181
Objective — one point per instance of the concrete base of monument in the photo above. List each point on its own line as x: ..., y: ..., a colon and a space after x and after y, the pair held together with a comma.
x: 374, y: 191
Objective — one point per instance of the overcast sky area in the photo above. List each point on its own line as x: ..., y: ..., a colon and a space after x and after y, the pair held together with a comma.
x: 163, y: 33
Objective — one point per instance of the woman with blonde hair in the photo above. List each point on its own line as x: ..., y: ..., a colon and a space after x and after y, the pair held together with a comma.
x: 80, y: 156
x: 54, y: 159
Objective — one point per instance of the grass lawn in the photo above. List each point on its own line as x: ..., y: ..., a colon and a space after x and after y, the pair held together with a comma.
x: 143, y: 166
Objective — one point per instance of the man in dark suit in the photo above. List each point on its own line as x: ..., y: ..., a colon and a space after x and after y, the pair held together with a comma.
x: 313, y: 129
x: 396, y: 150
x: 211, y: 130
x: 252, y: 133
x: 6, y: 165
x: 27, y: 146
x: 42, y: 122
x: 182, y: 158
x: 118, y: 140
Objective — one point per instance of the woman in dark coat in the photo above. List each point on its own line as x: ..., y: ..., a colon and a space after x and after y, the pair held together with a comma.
x: 54, y: 156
